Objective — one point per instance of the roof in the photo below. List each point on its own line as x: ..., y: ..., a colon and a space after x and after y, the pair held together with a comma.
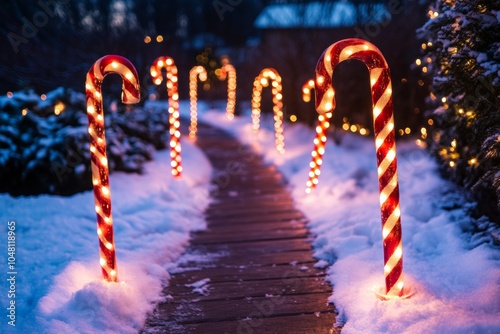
x: 320, y: 15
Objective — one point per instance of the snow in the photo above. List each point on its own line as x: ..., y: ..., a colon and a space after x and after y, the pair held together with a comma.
x: 200, y: 287
x: 59, y: 288
x: 454, y: 273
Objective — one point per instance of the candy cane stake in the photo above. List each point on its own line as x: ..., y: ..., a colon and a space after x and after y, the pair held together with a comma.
x: 99, y: 162
x: 319, y: 140
x: 195, y: 73
x: 173, y: 108
x: 385, y: 143
x: 262, y: 80
x: 228, y: 71
x: 306, y: 90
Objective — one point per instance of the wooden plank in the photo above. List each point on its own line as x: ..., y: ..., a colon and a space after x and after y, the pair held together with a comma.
x: 222, y: 310
x: 322, y: 323
x: 253, y: 211
x: 257, y: 248
x: 230, y: 198
x: 256, y: 219
x: 270, y: 228
x: 253, y: 289
x: 218, y: 238
x: 249, y: 259
x: 236, y: 203
x: 240, y: 273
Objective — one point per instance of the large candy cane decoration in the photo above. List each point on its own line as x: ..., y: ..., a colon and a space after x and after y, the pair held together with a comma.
x: 195, y: 73
x: 99, y: 162
x: 173, y: 108
x: 262, y: 80
x: 383, y: 122
x: 319, y: 140
x: 228, y: 71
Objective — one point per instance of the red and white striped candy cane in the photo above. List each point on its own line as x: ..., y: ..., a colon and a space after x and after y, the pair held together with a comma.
x: 385, y: 143
x: 319, y: 140
x: 99, y: 162
x: 228, y: 71
x: 306, y: 90
x: 173, y: 108
x: 195, y: 73
x: 262, y: 80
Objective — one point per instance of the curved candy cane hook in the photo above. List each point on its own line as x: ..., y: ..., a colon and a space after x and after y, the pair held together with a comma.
x: 319, y: 140
x: 195, y: 73
x: 262, y: 80
x: 99, y: 162
x: 173, y: 108
x: 385, y: 142
x: 228, y: 71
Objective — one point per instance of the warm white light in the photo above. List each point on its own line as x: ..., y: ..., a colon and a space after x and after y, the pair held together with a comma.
x: 105, y: 191
x: 398, y: 252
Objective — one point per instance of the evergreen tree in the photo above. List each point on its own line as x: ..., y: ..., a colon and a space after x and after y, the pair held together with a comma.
x: 462, y: 55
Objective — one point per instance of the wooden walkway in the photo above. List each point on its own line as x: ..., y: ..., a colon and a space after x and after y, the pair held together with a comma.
x: 259, y: 276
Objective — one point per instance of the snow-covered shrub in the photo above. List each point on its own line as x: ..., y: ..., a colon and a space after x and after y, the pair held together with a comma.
x: 461, y: 43
x: 44, y: 143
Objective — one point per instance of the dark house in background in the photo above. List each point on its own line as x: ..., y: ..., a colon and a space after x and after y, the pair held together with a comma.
x: 293, y: 37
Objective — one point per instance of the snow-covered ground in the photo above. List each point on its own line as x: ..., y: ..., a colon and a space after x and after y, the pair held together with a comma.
x: 455, y: 274
x: 58, y: 285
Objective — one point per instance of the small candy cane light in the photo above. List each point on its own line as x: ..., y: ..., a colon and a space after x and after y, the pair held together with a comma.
x: 319, y: 140
x: 99, y: 162
x: 195, y: 73
x: 228, y: 71
x: 385, y: 143
x: 262, y: 80
x: 173, y: 108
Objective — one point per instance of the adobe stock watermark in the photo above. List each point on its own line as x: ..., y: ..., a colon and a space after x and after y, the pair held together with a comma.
x: 233, y: 168
x: 223, y: 6
x: 71, y: 161
x: 11, y: 273
x: 30, y: 27
x: 373, y: 27
x: 483, y: 91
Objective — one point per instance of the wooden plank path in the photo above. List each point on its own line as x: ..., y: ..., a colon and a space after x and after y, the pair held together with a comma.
x: 252, y: 270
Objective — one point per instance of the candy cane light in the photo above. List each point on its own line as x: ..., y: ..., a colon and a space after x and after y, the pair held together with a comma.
x: 262, y: 80
x: 319, y: 140
x: 228, y: 71
x: 385, y: 143
x: 173, y: 108
x: 195, y: 73
x: 99, y: 162
x: 307, y: 87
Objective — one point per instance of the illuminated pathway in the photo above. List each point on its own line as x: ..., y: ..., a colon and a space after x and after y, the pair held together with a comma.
x: 252, y: 270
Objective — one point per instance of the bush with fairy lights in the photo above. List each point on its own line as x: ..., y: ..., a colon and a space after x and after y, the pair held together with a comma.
x: 44, y: 141
x: 461, y: 43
